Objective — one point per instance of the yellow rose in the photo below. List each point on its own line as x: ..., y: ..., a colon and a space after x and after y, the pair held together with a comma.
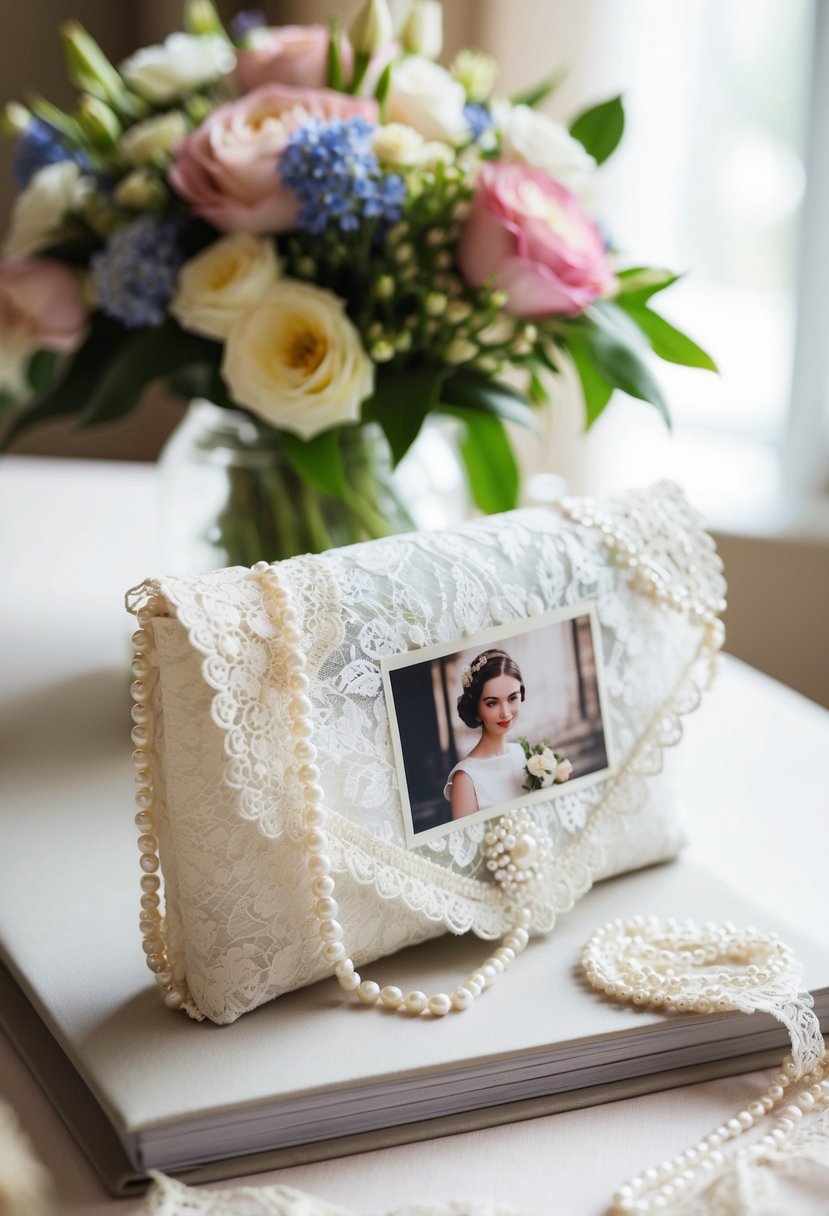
x: 223, y: 283
x: 297, y: 361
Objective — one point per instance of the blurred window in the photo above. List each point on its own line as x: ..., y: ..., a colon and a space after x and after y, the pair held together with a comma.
x: 710, y: 179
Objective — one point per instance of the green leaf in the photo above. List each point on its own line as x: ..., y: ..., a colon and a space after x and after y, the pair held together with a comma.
x: 71, y: 395
x: 537, y: 93
x: 622, y: 365
x: 42, y: 371
x: 596, y: 389
x: 8, y: 402
x: 668, y: 342
x: 642, y: 282
x: 335, y: 66
x: 472, y: 391
x: 381, y: 92
x: 490, y: 462
x: 600, y: 128
x: 146, y: 356
x: 609, y: 314
x: 318, y: 461
x: 402, y: 399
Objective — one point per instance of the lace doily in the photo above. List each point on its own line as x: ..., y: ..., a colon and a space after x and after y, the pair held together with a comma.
x: 238, y: 918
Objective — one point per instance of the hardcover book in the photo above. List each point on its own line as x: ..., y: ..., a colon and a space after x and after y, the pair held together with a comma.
x: 306, y: 1077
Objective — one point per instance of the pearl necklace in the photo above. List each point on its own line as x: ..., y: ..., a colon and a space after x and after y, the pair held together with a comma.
x: 171, y: 979
x: 682, y: 968
x: 315, y: 844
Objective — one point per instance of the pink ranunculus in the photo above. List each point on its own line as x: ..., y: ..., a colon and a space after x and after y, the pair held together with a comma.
x: 40, y: 309
x: 227, y: 168
x: 530, y: 236
x: 290, y: 54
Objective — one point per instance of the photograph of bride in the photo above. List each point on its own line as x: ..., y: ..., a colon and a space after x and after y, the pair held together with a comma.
x: 512, y: 718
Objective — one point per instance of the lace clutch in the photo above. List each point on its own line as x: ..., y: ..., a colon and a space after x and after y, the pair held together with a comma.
x: 312, y: 797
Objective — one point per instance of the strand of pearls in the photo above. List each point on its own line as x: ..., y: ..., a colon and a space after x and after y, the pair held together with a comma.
x: 657, y: 574
x: 315, y: 845
x: 682, y: 967
x: 169, y: 978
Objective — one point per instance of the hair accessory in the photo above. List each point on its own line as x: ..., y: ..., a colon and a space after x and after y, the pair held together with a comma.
x: 472, y: 669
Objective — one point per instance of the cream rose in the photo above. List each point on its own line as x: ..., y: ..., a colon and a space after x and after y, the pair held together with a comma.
x: 536, y: 766
x: 153, y: 139
x: 531, y: 138
x: 424, y: 96
x: 297, y: 361
x: 182, y: 62
x: 396, y: 144
x: 39, y: 212
x: 549, y: 759
x: 223, y: 283
x: 563, y: 772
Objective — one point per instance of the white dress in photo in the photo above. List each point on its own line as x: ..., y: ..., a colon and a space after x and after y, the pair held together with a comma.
x: 496, y: 779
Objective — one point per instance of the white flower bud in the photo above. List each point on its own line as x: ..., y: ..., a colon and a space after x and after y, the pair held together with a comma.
x: 422, y: 31
x: 382, y: 351
x: 436, y: 304
x: 461, y: 351
x: 153, y: 139
x: 476, y: 71
x: 141, y: 191
x: 458, y: 310
x: 372, y: 28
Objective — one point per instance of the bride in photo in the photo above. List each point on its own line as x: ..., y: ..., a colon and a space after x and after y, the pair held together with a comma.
x: 493, y: 771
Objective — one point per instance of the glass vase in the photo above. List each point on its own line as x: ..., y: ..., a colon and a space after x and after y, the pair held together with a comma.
x: 230, y: 496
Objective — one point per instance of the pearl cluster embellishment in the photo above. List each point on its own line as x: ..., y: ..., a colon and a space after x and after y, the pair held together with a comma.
x: 516, y: 850
x: 169, y: 978
x: 318, y: 859
x: 684, y: 968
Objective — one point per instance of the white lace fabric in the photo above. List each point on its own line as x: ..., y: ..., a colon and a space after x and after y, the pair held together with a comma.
x: 238, y: 917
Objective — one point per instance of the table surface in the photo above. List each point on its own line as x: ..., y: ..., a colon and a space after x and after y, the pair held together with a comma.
x: 77, y: 534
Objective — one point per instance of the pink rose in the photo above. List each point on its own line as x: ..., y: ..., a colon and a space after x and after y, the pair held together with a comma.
x: 40, y: 309
x: 290, y: 54
x: 531, y: 236
x: 227, y: 168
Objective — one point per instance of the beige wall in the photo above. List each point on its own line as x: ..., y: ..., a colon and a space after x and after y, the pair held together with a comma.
x: 778, y: 609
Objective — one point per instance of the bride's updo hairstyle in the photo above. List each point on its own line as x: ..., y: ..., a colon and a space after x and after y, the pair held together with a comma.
x: 487, y: 666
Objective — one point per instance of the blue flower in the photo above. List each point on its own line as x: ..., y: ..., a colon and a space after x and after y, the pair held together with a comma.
x: 246, y: 22
x: 478, y: 118
x: 134, y: 275
x: 337, y: 178
x: 41, y: 145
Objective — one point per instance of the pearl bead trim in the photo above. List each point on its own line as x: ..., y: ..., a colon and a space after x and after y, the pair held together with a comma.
x: 683, y: 968
x: 317, y: 857
x: 170, y: 978
x: 657, y: 575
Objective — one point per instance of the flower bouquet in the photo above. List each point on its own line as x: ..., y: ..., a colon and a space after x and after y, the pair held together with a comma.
x: 326, y: 231
x: 544, y: 767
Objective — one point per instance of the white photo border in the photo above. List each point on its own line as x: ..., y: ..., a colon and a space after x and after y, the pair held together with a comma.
x: 498, y: 633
